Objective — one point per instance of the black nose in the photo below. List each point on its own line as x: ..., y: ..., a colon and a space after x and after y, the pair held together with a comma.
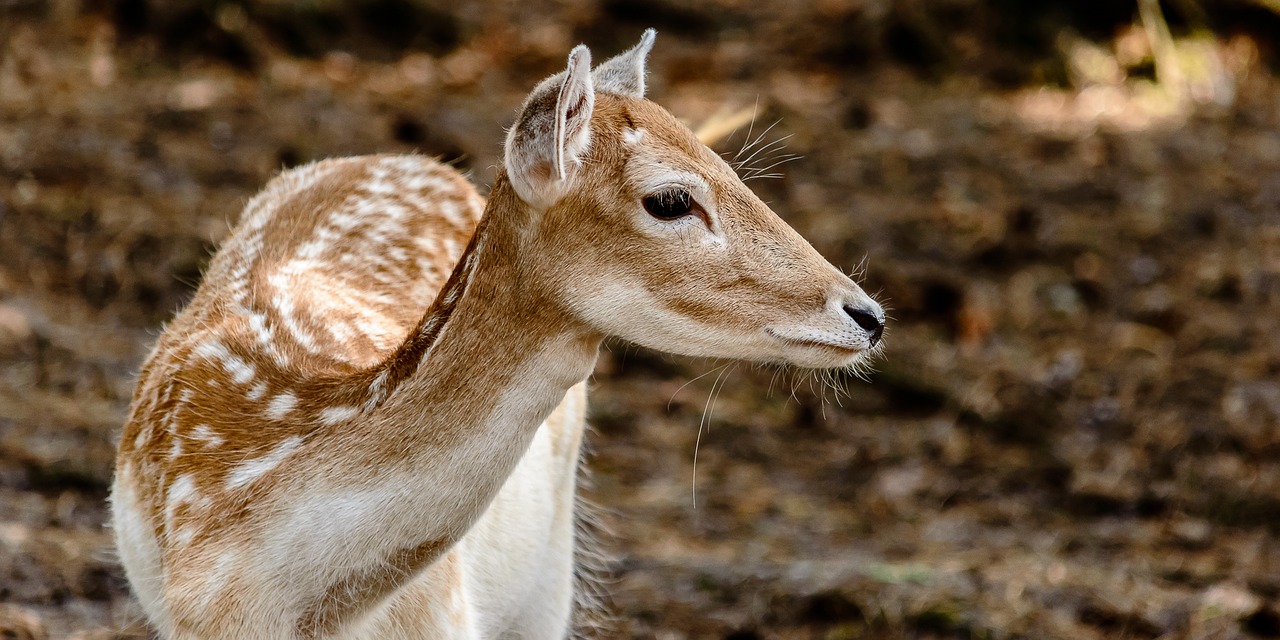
x: 868, y: 321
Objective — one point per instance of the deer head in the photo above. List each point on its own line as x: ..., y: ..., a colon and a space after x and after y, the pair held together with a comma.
x: 672, y: 250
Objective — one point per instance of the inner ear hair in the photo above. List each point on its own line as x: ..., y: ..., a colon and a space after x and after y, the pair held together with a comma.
x: 552, y: 131
x: 573, y: 109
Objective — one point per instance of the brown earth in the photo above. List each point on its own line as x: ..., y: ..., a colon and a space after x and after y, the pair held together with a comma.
x: 1075, y: 432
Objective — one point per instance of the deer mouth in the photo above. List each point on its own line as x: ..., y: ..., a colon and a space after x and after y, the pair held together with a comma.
x: 833, y: 347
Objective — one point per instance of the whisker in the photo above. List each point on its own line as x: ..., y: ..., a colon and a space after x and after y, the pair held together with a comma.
x: 777, y: 371
x: 755, y: 142
x: 776, y: 145
x: 707, y: 411
x: 750, y: 128
x: 822, y: 397
x: 701, y: 376
x: 778, y: 160
x: 797, y: 379
x: 766, y: 149
x: 859, y: 271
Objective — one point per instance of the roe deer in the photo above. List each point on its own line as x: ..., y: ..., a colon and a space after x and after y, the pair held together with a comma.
x: 359, y: 428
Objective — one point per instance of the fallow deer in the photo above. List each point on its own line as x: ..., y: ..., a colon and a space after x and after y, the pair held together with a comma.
x: 366, y: 424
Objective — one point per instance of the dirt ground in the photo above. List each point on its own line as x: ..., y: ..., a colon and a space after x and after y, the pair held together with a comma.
x: 1075, y: 430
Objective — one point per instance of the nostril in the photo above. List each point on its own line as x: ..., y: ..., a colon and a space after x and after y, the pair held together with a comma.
x: 865, y: 319
x: 868, y: 321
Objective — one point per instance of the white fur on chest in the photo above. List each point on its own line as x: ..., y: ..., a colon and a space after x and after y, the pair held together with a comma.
x: 518, y: 559
x: 520, y: 553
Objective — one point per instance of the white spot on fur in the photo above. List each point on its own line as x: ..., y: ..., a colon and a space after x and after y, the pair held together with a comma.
x: 205, y: 433
x: 258, y: 323
x: 281, y: 405
x: 182, y: 490
x: 184, y: 535
x: 144, y: 435
x: 335, y: 415
x: 283, y: 302
x: 211, y: 350
x: 344, y: 219
x: 250, y: 470
x: 632, y: 136
x: 380, y: 187
x: 256, y: 392
x: 241, y: 371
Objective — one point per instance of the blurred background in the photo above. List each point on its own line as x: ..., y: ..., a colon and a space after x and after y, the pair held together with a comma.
x: 1072, y: 207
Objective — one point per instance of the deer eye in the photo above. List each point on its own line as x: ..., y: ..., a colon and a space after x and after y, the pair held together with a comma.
x: 669, y: 204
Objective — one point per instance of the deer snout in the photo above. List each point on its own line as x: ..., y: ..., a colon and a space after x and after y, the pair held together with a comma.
x: 842, y: 332
x: 869, y: 316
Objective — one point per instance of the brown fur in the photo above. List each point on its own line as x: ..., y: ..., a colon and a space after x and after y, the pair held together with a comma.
x: 343, y: 343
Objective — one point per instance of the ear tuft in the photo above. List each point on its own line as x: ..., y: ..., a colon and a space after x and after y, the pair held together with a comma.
x: 624, y: 73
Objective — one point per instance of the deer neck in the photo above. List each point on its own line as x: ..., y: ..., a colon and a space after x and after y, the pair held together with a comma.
x: 444, y: 420
x: 494, y: 351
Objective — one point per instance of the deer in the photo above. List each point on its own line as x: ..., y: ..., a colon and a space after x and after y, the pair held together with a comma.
x: 367, y: 422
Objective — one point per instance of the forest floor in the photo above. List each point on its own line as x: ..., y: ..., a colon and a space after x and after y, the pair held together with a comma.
x: 1074, y: 432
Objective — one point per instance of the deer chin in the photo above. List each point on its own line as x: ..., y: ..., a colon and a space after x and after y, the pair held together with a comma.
x: 815, y: 349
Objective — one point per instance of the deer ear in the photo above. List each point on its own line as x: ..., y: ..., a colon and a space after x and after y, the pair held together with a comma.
x: 552, y: 132
x: 624, y: 74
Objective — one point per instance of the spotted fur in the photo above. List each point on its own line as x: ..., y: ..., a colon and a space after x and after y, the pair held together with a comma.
x: 367, y: 422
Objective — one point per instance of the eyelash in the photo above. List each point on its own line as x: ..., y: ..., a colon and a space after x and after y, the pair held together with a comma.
x: 670, y: 204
